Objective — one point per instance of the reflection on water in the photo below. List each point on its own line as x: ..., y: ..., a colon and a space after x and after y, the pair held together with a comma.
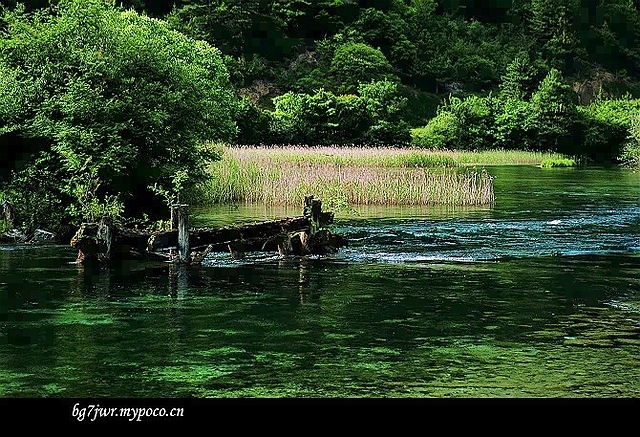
x: 537, y: 295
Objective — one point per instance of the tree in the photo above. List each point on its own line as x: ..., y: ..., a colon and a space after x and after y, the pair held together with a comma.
x: 87, y: 86
x: 356, y: 62
x: 372, y: 117
x: 554, y: 114
x: 554, y: 25
x: 238, y: 28
x: 520, y: 80
x: 384, y: 107
x: 388, y: 30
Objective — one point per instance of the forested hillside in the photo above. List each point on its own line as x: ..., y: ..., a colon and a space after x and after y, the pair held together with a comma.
x: 104, y: 104
x: 275, y: 46
x: 347, y: 71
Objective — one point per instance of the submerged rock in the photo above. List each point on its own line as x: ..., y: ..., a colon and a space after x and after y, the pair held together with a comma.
x: 41, y: 236
x: 12, y: 236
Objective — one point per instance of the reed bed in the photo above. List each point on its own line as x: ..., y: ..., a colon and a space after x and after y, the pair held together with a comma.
x: 344, y: 176
x: 499, y: 157
x: 359, y: 156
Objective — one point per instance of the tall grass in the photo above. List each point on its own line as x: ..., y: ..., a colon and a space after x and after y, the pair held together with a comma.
x: 359, y: 156
x: 563, y: 162
x: 355, y: 176
x: 499, y: 157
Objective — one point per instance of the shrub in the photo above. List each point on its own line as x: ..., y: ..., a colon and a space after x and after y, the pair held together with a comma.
x: 630, y: 155
x: 606, y: 126
x: 440, y: 133
x: 557, y: 162
x: 87, y: 82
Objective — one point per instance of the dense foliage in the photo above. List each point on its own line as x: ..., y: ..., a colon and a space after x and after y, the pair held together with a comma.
x: 550, y: 119
x: 542, y: 61
x: 97, y: 103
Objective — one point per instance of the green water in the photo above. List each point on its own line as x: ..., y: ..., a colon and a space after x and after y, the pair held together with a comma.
x: 535, y: 296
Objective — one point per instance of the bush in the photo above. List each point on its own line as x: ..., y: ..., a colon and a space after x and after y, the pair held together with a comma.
x: 37, y: 196
x: 372, y: 117
x: 606, y: 126
x: 85, y: 82
x: 442, y: 132
x: 514, y: 127
x: 557, y: 162
x: 630, y: 155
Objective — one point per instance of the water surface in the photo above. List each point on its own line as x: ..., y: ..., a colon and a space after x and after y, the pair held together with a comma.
x: 535, y: 296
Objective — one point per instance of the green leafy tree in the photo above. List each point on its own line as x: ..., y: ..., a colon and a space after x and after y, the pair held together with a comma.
x: 384, y: 107
x: 515, y: 126
x: 519, y: 81
x: 352, y: 117
x: 353, y: 63
x: 474, y: 126
x: 374, y: 116
x: 607, y: 126
x: 239, y: 28
x: 87, y: 82
x: 388, y: 29
x: 253, y: 124
x: 301, y: 118
x: 554, y: 26
x: 554, y: 115
x: 611, y: 34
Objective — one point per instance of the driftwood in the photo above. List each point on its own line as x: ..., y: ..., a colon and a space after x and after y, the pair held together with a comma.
x: 296, y: 236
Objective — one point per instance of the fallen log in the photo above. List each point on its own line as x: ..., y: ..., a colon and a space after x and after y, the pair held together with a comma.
x: 289, y: 236
x: 254, y: 234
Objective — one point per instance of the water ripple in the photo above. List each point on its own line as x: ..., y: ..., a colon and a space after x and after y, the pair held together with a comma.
x: 583, y: 232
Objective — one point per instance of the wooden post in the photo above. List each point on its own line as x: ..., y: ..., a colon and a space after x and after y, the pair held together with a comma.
x: 181, y: 214
x: 105, y: 235
x: 312, y: 210
x: 173, y: 224
x: 174, y: 218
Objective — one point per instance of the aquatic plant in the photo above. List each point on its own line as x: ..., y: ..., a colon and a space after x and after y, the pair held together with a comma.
x: 356, y: 176
x: 557, y: 162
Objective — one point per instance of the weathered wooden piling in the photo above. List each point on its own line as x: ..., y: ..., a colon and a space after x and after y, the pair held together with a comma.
x: 290, y: 236
x: 181, y: 215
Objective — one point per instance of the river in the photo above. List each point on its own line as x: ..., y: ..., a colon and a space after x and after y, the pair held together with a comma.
x: 537, y: 295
